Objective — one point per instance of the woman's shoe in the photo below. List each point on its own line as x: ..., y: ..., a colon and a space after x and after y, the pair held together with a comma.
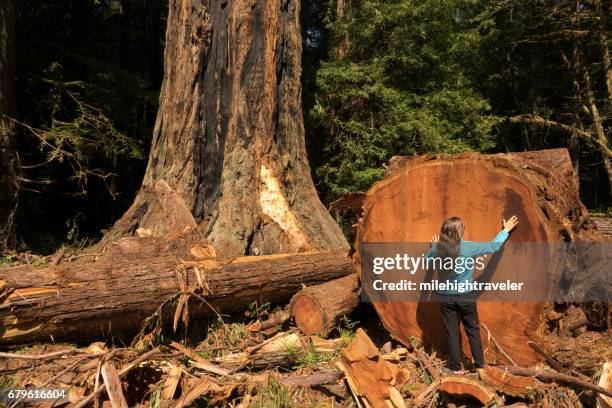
x: 448, y: 371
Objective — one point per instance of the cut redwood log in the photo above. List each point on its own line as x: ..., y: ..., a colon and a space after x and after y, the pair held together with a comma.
x: 417, y: 194
x: 461, y: 386
x: 84, y: 300
x: 317, y: 309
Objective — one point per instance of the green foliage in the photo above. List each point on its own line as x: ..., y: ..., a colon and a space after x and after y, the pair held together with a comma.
x: 399, y: 86
x: 235, y: 334
x: 223, y: 338
x: 8, y: 259
x: 311, y: 357
x: 346, y: 329
x: 533, y: 58
x: 11, y: 258
x: 156, y: 401
x: 271, y: 394
x: 87, y: 88
x: 78, y: 132
x: 256, y: 309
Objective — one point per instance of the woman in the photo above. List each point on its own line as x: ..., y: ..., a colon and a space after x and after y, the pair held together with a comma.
x: 457, y: 305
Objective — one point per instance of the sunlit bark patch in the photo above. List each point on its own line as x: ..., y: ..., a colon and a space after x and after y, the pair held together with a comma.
x: 274, y: 204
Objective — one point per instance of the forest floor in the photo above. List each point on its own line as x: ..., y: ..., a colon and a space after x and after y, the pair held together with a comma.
x: 230, y: 361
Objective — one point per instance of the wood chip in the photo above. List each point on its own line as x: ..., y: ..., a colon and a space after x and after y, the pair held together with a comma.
x: 605, y: 381
x: 369, y: 377
x: 171, y: 382
x: 113, y: 385
x: 204, y: 386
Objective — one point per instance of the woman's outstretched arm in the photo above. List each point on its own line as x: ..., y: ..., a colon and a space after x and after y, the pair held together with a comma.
x: 480, y: 248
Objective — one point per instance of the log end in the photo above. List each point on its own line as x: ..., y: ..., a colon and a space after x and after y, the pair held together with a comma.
x: 308, y: 314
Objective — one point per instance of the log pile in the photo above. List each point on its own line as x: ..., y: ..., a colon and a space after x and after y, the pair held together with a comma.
x: 83, y: 300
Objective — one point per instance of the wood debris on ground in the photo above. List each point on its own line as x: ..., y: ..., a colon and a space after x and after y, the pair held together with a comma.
x: 236, y: 366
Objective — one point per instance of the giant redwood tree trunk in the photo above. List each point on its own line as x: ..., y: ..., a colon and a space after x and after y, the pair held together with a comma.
x: 417, y: 194
x: 8, y: 158
x: 229, y: 137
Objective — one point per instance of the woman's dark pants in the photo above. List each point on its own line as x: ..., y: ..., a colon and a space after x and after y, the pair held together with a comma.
x: 455, y: 307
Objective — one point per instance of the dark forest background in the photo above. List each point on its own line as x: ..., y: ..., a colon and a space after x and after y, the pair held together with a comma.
x: 379, y: 78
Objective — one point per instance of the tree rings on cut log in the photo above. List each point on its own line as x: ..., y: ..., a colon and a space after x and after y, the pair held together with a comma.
x: 461, y: 386
x: 317, y: 309
x: 507, y: 383
x: 417, y: 194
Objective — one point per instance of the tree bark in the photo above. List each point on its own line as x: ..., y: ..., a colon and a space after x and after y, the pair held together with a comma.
x: 419, y: 193
x: 9, y: 164
x: 462, y: 386
x: 229, y: 135
x: 84, y: 300
x: 573, y: 66
x: 283, y: 350
x: 552, y: 376
x: 603, y: 11
x: 318, y: 309
x: 598, y: 125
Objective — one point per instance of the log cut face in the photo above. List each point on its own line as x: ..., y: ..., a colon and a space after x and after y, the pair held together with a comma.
x: 229, y: 136
x: 318, y: 309
x: 410, y: 204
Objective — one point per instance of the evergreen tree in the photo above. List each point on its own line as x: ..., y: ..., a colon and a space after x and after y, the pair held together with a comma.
x: 397, y: 82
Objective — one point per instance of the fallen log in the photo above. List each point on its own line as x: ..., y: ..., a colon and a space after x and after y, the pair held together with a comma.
x: 318, y: 309
x: 85, y: 300
x: 551, y: 376
x: 280, y: 351
x: 273, y: 321
x: 417, y: 194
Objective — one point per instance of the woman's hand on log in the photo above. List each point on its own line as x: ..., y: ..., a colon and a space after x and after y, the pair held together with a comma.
x: 434, y: 239
x: 511, y: 223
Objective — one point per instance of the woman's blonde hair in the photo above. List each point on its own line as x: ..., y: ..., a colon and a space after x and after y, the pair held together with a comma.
x: 451, y: 234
